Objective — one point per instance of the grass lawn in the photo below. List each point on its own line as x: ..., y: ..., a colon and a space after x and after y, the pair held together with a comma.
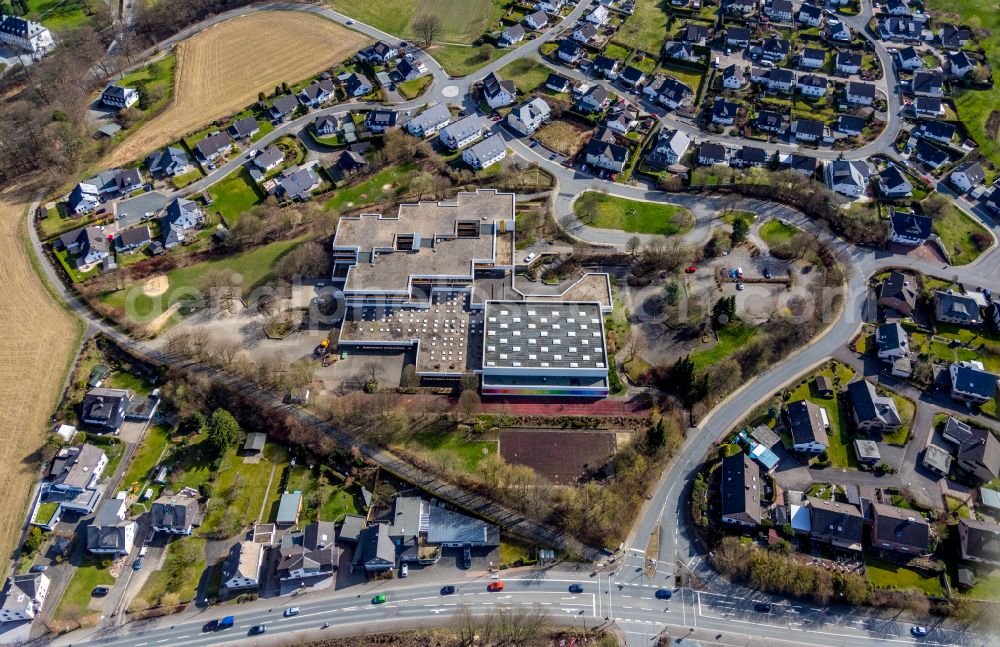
x: 147, y: 456
x: 414, y: 88
x: 68, y: 261
x: 775, y: 232
x: 562, y: 136
x: 640, y: 217
x: 884, y: 575
x: 906, y: 409
x: 975, y: 107
x: 112, y: 447
x: 159, y: 79
x: 840, y: 451
x: 60, y: 14
x: 385, y: 185
x: 59, y: 222
x: 684, y: 75
x: 184, y: 179
x: 511, y: 552
x: 956, y: 229
x: 254, y: 266
x: 241, y: 488
x: 987, y: 588
x: 646, y: 28
x: 234, y: 195
x: 526, y: 73
x: 324, y: 498
x: 731, y: 339
x: 73, y: 604
x: 391, y: 16
x: 181, y: 572
x: 452, y: 448
x: 460, y: 60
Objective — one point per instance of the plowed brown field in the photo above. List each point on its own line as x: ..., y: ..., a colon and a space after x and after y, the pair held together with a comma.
x: 37, y: 341
x: 221, y: 70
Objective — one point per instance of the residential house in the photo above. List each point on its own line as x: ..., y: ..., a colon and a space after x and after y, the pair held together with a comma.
x: 812, y: 85
x: 670, y: 147
x: 326, y: 125
x: 732, y: 77
x: 557, y: 83
x: 939, y: 131
x: 622, y: 119
x: 959, y: 64
x: 498, y: 92
x: 848, y: 177
x: 696, y: 34
x: 804, y: 165
x: 909, y: 228
x: 892, y: 342
x: 724, y: 112
x: 181, y: 216
x: 585, y: 34
x: 970, y: 383
x: 429, y: 121
x: 810, y: 130
x: 951, y: 307
x: 603, y: 151
x: 244, y: 128
x: 810, y: 15
x: 169, y: 162
x: 681, y: 51
x: 808, y: 425
x: 953, y: 37
x: 296, y: 183
x: 850, y: 125
x: 283, y: 106
x: 132, y: 240
x: 461, y: 133
x: 779, y: 79
x: 896, y: 8
x: 927, y: 84
x: 980, y: 540
x: 750, y: 156
x: 105, y: 408
x: 740, y: 491
x: 410, y: 70
x: 569, y: 51
x: 242, y: 569
x: 928, y: 107
x: 848, y: 62
x: 938, y: 460
x: 89, y: 244
x: 347, y: 163
x: 375, y: 551
x: 309, y: 554
x: 549, y: 6
x: 512, y: 35
x: 25, y: 35
x: 537, y: 20
x: 598, y: 16
x: 901, y: 30
x: 838, y: 31
x: 672, y: 93
x: 213, y: 147
x: 109, y: 533
x: 932, y: 156
x: 119, y: 96
x: 893, y: 185
x: 358, y: 85
x: 529, y: 116
x: 606, y: 67
x: 898, y: 292
x: 909, y: 58
x: 841, y: 525
x: 320, y: 91
x: 871, y: 411
x: 775, y: 48
x: 738, y: 37
x: 595, y: 99
x: 867, y: 452
x: 73, y: 480
x: 738, y: 7
x: 486, y: 153
x: 380, y: 52
x: 631, y: 76
x: 174, y: 514
x: 979, y: 454
x: 899, y: 530
x: 860, y: 93
x: 955, y: 431
x: 780, y: 10
x: 711, y: 153
x: 379, y: 121
x: 967, y: 176
x: 811, y: 57
x: 25, y: 593
x: 771, y: 122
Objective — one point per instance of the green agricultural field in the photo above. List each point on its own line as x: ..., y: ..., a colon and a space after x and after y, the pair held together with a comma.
x: 462, y: 60
x: 646, y: 28
x: 60, y: 14
x: 639, y: 217
x: 956, y: 230
x: 526, y: 73
x: 978, y: 109
x: 462, y: 21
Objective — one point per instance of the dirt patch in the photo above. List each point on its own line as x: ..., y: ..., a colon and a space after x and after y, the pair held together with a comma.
x: 562, y: 457
x: 993, y: 124
x: 157, y: 324
x: 562, y: 136
x: 156, y: 285
x: 221, y: 70
x: 38, y: 342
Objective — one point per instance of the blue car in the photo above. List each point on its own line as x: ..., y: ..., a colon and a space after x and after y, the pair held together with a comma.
x: 575, y: 588
x: 664, y: 594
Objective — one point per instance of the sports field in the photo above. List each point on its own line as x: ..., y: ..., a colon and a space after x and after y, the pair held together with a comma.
x: 221, y: 70
x: 39, y: 340
x: 462, y: 21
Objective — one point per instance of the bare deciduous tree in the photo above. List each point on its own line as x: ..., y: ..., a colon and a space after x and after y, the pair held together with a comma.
x: 427, y: 26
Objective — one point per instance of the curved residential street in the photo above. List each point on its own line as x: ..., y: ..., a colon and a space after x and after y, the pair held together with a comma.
x: 615, y: 593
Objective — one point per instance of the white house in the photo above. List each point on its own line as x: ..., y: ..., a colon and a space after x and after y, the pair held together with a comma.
x: 910, y: 58
x: 527, y: 117
x: 848, y: 62
x: 429, y: 121
x: 486, y: 153
x: 25, y: 597
x: 25, y: 35
x: 892, y: 183
x: 812, y: 85
x: 603, y: 151
x: 498, y: 92
x: 732, y: 77
x: 849, y: 178
x: 118, y: 96
x: 536, y: 20
x: 808, y: 423
x: 812, y: 58
x: 242, y: 569
x: 893, y: 342
x: 909, y: 228
x: 671, y: 145
x: 860, y: 93
x: 967, y: 176
x: 598, y: 16
x: 461, y: 133
x: 512, y: 35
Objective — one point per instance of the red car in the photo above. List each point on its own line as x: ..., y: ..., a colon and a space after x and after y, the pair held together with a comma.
x: 495, y: 586
x: 691, y: 270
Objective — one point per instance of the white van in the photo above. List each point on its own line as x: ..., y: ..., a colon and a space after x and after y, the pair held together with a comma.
x: 143, y: 551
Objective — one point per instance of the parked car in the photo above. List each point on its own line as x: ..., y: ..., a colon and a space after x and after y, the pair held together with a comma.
x: 467, y: 558
x: 494, y: 587
x: 691, y: 270
x: 767, y: 273
x: 100, y: 591
x: 739, y: 287
x: 137, y: 564
x: 39, y: 568
x: 664, y: 594
x: 575, y: 588
x: 530, y: 257
x: 404, y: 570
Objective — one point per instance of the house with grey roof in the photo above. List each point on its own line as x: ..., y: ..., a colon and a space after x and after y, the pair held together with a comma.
x: 347, y: 163
x: 892, y: 183
x: 808, y: 423
x: 242, y: 568
x: 841, y: 525
x: 319, y: 92
x: 486, y: 153
x: 25, y: 35
x: 169, y: 162
x: 979, y: 455
x: 429, y: 121
x: 110, y: 533
x: 356, y: 85
x: 269, y: 159
x: 461, y: 133
x: 529, y: 116
x: 498, y: 92
x: 182, y: 216
x: 25, y: 597
x: 979, y: 540
x: 951, y: 307
x: 899, y: 530
x: 378, y: 121
x: 375, y: 551
x: 740, y: 490
x: 283, y: 106
x: 131, y: 240
x: 213, y: 147
x: 670, y: 147
x: 296, y: 183
x: 174, y: 514
x: 603, y: 151
x: 244, y: 128
x: 105, y: 408
x: 308, y: 555
x: 970, y: 383
x: 871, y: 411
x: 938, y: 460
x: 967, y: 176
x: 289, y: 508
x: 898, y: 292
x: 955, y: 431
x: 119, y: 97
